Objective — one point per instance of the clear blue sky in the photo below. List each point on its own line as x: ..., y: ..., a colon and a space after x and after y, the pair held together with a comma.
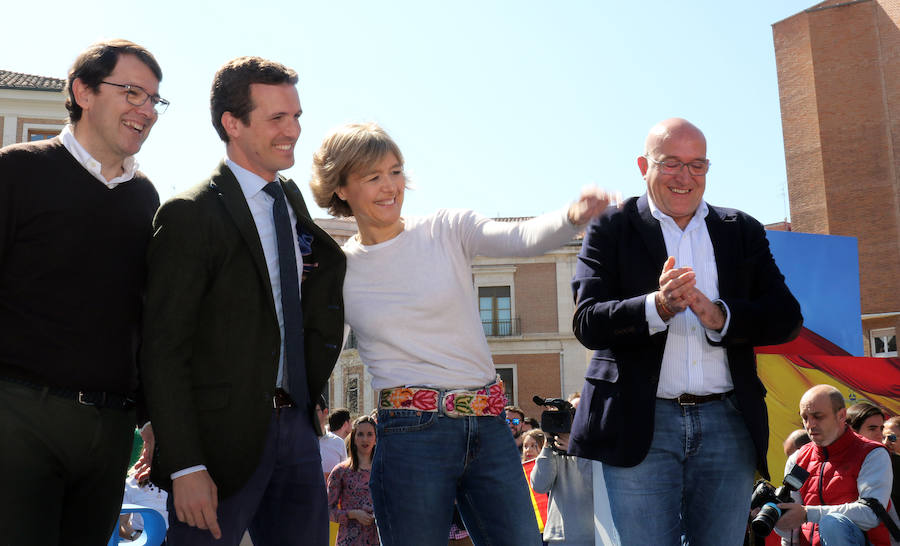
x: 505, y: 107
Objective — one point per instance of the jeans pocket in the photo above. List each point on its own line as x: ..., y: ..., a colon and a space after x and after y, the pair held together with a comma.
x: 732, y: 404
x: 392, y: 421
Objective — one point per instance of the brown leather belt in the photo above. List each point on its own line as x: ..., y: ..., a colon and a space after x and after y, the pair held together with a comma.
x: 694, y: 399
x: 282, y: 399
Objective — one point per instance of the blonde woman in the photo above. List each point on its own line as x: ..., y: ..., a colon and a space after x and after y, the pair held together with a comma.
x: 409, y: 298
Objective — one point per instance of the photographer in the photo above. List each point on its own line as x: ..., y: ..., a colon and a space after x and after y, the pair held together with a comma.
x: 569, y: 482
x: 845, y: 469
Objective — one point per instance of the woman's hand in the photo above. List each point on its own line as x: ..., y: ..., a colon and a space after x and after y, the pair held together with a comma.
x: 361, y: 516
x: 592, y: 202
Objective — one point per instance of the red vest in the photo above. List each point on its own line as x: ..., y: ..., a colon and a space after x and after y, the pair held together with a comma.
x: 833, y: 471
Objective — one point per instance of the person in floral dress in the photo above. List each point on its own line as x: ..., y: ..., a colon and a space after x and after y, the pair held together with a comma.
x: 349, y: 500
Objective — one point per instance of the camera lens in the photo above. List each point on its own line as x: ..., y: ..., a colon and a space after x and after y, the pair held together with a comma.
x: 764, y: 522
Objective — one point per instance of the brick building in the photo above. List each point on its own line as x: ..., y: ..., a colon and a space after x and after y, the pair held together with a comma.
x: 838, y: 68
x: 31, y: 107
x: 526, y: 309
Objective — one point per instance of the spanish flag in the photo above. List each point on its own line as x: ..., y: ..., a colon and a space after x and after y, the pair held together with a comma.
x: 538, y: 500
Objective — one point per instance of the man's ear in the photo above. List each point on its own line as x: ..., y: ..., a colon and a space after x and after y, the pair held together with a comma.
x: 340, y: 193
x: 84, y: 95
x: 642, y: 165
x: 231, y: 124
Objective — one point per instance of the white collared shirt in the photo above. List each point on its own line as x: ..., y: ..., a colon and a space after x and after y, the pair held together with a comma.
x: 690, y: 364
x: 81, y: 155
x: 260, y: 204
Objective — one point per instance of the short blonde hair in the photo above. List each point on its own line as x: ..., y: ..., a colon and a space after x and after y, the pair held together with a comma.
x: 346, y: 149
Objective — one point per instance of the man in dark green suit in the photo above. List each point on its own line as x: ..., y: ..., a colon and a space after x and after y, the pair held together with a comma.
x: 236, y: 436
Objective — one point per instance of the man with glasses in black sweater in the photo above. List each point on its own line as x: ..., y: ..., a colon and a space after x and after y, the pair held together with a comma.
x: 75, y: 221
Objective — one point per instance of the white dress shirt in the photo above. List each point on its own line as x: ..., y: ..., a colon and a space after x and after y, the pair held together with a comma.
x: 690, y: 363
x: 260, y: 204
x: 81, y: 155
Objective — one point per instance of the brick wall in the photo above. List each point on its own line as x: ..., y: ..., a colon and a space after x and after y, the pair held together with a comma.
x: 839, y: 86
x: 536, y: 297
x: 535, y: 374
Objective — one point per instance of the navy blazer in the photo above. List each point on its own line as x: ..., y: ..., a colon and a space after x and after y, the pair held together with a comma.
x: 619, y: 264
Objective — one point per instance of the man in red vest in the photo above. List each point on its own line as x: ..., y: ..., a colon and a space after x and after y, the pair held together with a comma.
x: 843, y: 469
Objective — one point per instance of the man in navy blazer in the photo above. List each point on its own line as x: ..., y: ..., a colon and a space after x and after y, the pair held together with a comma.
x: 672, y: 294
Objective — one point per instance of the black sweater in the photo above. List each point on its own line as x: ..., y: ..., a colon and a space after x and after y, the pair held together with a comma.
x: 72, y: 270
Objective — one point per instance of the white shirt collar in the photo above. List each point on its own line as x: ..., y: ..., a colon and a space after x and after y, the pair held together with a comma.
x: 699, y: 214
x: 81, y: 155
x: 250, y: 182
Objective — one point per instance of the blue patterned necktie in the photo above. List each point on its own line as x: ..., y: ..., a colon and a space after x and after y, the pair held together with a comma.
x: 294, y: 363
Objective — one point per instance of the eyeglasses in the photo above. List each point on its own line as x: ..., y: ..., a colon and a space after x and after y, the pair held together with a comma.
x: 888, y: 437
x: 513, y: 421
x: 136, y: 96
x: 698, y: 167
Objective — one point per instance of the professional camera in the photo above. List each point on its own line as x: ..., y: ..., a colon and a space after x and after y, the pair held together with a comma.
x: 556, y: 422
x: 766, y: 496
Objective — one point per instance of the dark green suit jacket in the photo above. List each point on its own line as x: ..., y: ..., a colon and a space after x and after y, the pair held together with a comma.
x: 211, y: 339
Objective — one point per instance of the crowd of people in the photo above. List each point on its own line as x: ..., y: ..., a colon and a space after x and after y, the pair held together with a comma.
x: 214, y: 321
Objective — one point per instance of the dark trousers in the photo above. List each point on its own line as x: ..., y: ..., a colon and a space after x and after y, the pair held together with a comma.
x: 62, y: 468
x: 283, y: 503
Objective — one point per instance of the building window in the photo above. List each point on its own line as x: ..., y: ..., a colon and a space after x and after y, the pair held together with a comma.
x: 507, y: 373
x: 351, y: 395
x: 40, y: 134
x: 884, y: 342
x: 495, y: 308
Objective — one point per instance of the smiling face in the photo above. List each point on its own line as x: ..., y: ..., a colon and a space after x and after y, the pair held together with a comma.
x: 677, y: 195
x: 111, y: 128
x: 364, y: 437
x: 265, y: 145
x: 375, y: 195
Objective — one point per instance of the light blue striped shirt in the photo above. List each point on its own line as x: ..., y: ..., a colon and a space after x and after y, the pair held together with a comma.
x: 690, y: 364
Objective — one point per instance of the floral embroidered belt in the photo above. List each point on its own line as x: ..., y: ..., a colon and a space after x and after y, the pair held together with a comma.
x: 488, y: 400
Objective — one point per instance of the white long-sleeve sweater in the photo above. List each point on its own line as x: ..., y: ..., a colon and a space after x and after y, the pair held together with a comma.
x: 411, y: 301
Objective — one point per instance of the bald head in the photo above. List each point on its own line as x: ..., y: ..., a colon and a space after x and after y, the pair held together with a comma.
x: 823, y: 413
x: 674, y: 151
x: 821, y: 392
x: 671, y: 128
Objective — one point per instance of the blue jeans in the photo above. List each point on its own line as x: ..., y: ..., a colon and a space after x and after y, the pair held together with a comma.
x: 424, y: 461
x: 838, y: 530
x: 694, y: 485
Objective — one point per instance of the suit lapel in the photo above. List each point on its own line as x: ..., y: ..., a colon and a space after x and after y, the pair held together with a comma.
x: 726, y: 247
x: 229, y: 191
x: 305, y: 223
x: 650, y: 231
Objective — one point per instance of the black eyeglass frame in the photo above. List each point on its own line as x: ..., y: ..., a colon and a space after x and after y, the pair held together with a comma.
x: 160, y: 105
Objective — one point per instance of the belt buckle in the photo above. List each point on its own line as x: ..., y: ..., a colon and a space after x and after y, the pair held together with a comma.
x: 81, y: 399
x: 442, y: 402
x: 685, y: 401
x: 281, y: 399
